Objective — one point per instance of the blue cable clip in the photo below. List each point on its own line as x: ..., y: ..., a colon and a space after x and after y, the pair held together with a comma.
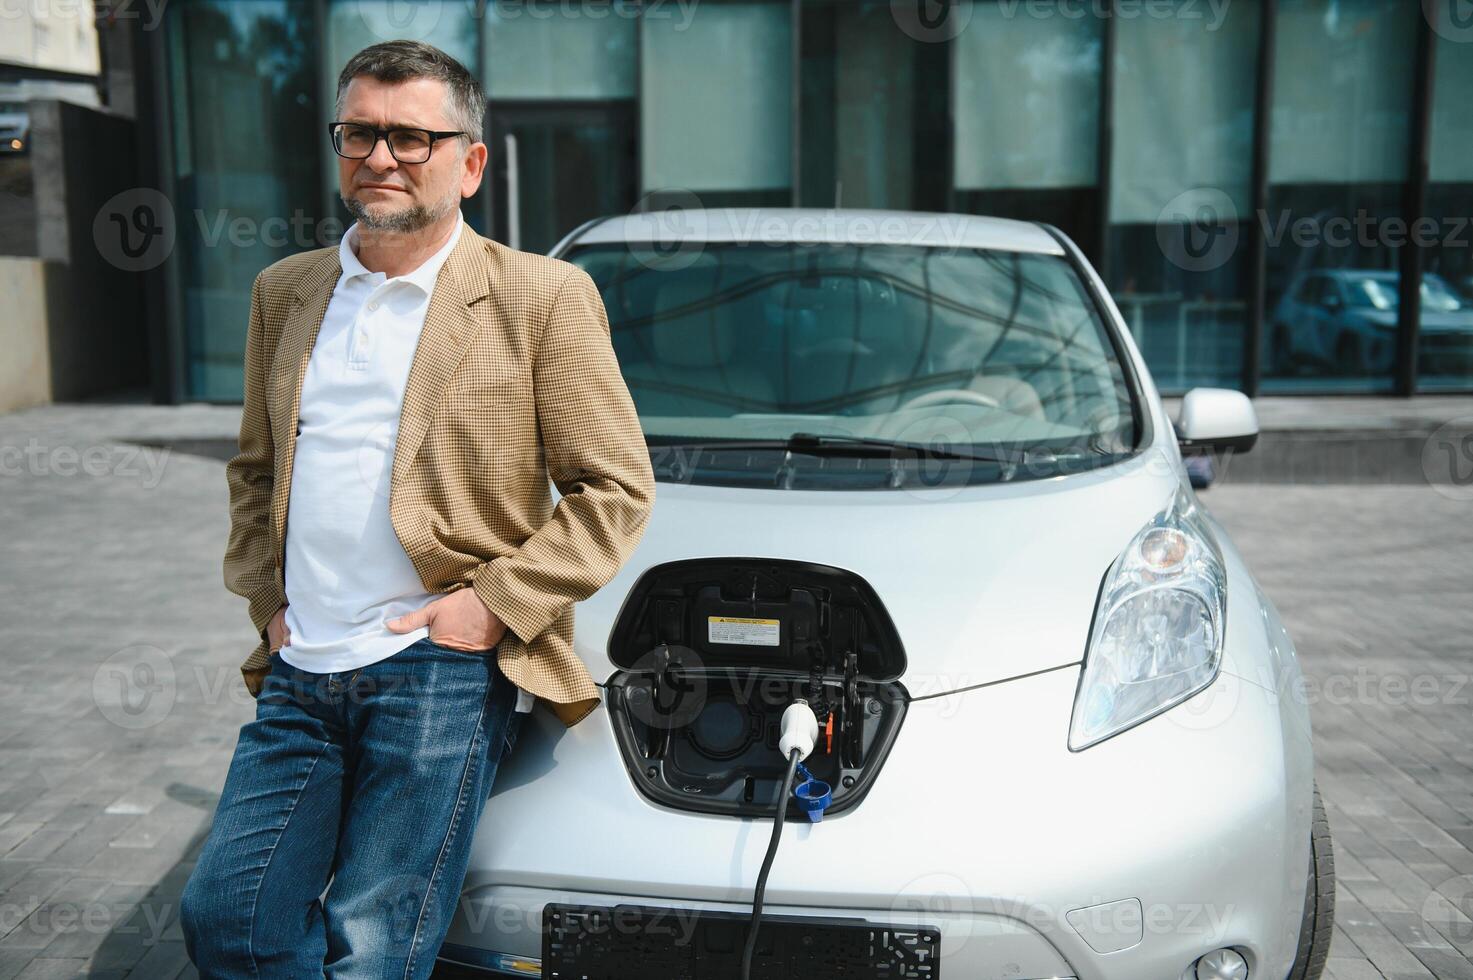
x: 814, y: 795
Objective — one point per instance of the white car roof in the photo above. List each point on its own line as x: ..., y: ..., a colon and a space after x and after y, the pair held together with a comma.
x: 821, y: 225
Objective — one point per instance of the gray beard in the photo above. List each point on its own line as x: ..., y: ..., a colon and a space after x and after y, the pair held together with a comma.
x: 407, y: 220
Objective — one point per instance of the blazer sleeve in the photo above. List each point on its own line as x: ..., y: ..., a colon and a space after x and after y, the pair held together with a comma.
x: 596, y: 456
x: 250, y: 559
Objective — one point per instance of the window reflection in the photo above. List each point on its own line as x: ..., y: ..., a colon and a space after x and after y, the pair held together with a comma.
x: 595, y: 106
x: 873, y: 109
x: 1342, y: 322
x: 243, y: 82
x: 716, y: 113
x: 562, y: 128
x: 1179, y: 190
x: 560, y: 50
x: 1026, y: 92
x: 1337, y: 167
x: 1445, y: 344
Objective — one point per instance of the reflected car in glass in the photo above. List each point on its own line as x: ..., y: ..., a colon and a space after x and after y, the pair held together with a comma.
x: 912, y: 471
x: 1344, y: 321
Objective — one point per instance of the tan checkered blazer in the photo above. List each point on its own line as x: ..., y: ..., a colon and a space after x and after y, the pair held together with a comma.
x: 514, y: 346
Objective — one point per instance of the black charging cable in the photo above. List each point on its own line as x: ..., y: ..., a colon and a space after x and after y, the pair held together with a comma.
x: 777, y: 832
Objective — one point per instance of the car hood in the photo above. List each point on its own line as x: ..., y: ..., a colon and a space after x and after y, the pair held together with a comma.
x: 1460, y: 322
x: 983, y: 584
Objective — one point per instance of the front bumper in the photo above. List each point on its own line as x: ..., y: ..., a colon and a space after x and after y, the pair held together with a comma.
x: 1128, y: 860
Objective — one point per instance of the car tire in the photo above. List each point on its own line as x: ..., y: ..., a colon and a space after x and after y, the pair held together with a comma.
x: 1318, y: 919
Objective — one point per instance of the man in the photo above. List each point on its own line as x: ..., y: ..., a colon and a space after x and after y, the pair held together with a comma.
x: 407, y: 395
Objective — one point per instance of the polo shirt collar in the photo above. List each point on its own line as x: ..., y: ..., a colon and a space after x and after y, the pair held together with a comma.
x: 423, y: 277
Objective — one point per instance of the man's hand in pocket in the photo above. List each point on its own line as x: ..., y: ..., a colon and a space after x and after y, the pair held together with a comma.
x: 459, y: 621
x: 277, y: 635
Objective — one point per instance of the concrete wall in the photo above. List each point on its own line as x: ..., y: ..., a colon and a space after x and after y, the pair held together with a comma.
x: 61, y: 36
x: 25, y: 369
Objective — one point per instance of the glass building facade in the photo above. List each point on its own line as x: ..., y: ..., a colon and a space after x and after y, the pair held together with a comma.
x: 1277, y: 192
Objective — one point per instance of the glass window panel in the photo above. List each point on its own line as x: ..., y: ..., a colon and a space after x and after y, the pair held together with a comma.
x: 1183, y: 109
x: 1340, y: 121
x: 868, y: 140
x: 353, y: 25
x: 716, y: 112
x: 1445, y: 339
x: 1452, y: 115
x: 574, y: 162
x: 560, y: 50
x: 1341, y: 91
x: 244, y: 79
x: 1027, y: 96
x: 874, y: 76
x: 1179, y: 194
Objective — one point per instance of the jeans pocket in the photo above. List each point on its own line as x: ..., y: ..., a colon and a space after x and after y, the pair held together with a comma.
x: 513, y: 728
x: 278, y: 683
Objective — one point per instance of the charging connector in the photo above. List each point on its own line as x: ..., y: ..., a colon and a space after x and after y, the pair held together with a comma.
x: 799, y: 730
x: 798, y: 733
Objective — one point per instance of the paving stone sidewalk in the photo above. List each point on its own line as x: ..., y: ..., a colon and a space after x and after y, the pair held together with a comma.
x: 110, y: 583
x: 1376, y: 587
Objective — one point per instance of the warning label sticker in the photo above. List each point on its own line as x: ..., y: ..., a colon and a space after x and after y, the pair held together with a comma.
x: 751, y: 632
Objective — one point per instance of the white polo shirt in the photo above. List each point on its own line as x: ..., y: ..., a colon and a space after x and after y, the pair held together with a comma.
x: 346, y: 572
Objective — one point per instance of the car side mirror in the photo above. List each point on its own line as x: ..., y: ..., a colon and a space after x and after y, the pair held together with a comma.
x: 1215, y: 420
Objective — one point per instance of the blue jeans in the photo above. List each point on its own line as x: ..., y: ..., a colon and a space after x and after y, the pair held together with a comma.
x: 375, y: 777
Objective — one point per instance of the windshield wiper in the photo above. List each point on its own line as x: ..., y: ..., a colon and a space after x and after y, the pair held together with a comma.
x: 844, y: 445
x: 819, y: 444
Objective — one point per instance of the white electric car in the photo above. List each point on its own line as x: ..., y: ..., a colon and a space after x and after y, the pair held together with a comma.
x: 914, y: 475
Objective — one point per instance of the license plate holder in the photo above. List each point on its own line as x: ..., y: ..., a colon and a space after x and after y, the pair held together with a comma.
x: 637, y: 942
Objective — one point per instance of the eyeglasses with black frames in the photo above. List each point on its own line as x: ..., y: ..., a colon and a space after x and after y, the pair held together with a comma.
x: 355, y: 141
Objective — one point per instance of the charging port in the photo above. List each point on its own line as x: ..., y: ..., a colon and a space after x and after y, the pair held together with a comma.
x: 711, y: 652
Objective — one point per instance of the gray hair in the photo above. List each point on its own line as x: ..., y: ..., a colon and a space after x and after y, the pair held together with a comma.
x: 401, y: 61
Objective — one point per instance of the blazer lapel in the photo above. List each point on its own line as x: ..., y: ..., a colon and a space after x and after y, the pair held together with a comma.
x: 289, y: 368
x: 449, y: 328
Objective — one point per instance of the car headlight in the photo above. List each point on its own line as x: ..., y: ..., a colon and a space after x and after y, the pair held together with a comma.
x: 1158, y: 631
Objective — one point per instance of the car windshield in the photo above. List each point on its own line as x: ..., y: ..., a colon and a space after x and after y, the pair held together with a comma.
x: 1439, y: 297
x: 1382, y: 294
x: 1379, y: 294
x: 858, y: 366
